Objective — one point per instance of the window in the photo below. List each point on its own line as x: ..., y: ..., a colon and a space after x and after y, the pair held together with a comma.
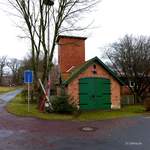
x: 131, y: 84
x: 94, y: 66
x: 94, y: 69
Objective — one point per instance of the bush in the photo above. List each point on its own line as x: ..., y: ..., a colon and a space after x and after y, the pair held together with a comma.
x: 24, y: 94
x: 33, y: 96
x: 61, y: 104
x: 147, y: 104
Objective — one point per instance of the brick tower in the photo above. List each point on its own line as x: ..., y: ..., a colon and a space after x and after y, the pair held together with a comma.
x: 71, y: 53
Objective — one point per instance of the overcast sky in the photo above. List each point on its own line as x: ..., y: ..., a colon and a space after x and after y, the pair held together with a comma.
x: 113, y: 19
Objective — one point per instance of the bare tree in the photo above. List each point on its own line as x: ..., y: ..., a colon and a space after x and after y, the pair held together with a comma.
x: 130, y: 57
x: 65, y: 16
x: 3, y: 61
x: 14, y: 65
x: 25, y: 64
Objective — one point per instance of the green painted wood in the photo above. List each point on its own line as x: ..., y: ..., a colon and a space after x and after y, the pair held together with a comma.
x: 94, y: 93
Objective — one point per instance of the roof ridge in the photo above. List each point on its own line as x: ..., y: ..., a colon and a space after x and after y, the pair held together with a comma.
x: 86, y: 64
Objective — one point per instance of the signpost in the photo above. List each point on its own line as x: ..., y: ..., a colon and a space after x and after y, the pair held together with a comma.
x: 28, y: 78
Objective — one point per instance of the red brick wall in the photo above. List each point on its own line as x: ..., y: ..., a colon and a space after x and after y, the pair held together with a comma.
x: 71, y: 52
x: 73, y: 87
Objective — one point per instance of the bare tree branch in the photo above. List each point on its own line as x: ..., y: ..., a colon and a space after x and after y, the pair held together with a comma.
x: 45, y: 23
x: 131, y: 56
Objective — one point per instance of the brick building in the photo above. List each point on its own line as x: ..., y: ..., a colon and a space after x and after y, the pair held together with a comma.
x: 91, y: 84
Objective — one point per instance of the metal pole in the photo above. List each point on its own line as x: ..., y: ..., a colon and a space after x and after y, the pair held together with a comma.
x: 48, y: 51
x: 49, y: 3
x: 28, y: 96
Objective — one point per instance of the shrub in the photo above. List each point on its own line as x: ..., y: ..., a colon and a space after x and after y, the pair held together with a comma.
x: 33, y: 96
x: 24, y: 94
x: 61, y: 104
x: 147, y: 104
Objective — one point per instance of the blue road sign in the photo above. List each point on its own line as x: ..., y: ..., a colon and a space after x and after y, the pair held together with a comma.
x: 28, y: 76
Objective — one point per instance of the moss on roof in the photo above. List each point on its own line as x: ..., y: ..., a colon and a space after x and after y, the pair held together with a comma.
x: 84, y: 66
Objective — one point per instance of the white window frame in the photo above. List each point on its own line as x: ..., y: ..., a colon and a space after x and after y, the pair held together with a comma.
x: 131, y: 84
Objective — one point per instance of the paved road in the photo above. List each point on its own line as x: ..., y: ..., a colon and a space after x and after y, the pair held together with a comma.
x: 4, y: 98
x: 17, y: 133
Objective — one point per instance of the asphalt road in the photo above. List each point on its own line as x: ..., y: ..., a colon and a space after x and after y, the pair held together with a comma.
x: 18, y: 133
x: 4, y: 98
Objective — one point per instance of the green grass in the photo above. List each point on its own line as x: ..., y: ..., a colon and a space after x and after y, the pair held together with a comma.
x: 5, y: 89
x: 19, y: 107
x: 126, y: 111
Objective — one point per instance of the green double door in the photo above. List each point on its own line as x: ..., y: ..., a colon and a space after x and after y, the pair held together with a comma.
x: 94, y: 93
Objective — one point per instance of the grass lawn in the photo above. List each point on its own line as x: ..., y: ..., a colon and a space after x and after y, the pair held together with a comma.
x: 19, y: 107
x: 5, y: 89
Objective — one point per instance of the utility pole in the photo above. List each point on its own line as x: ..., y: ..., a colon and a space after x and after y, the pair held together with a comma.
x: 48, y: 3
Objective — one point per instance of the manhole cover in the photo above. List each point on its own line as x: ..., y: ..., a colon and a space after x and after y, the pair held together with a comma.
x: 88, y: 129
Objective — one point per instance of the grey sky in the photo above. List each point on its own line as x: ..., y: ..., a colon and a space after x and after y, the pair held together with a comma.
x: 115, y: 18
